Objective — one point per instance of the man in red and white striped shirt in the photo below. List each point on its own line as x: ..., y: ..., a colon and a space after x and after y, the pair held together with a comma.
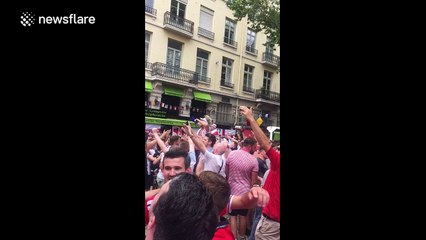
x: 269, y: 224
x: 241, y: 170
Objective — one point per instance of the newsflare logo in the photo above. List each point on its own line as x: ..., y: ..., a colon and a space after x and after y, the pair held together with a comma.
x: 29, y: 19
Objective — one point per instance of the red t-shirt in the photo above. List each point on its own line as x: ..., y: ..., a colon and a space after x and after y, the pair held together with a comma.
x: 148, y: 203
x: 223, y: 231
x: 272, y: 185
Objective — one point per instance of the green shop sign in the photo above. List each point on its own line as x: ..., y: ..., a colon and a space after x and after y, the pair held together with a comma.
x: 167, y: 121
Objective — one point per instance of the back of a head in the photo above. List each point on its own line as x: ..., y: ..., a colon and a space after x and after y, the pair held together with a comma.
x: 212, y: 138
x: 174, y: 139
x: 185, y: 211
x: 220, y: 148
x: 184, y: 145
x: 218, y: 187
x: 249, y: 142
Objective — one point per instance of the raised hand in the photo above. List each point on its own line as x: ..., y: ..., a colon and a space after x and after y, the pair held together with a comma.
x: 247, y: 112
x: 260, y: 194
x: 155, y: 131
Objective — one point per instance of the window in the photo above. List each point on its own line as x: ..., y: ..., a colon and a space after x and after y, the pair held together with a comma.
x: 251, y: 41
x: 147, y: 42
x: 149, y: 7
x: 268, y: 48
x: 269, y: 56
x: 248, y: 78
x: 202, y: 63
x: 206, y: 22
x: 226, y: 72
x: 267, y: 77
x: 224, y: 114
x: 177, y: 11
x: 149, y: 3
x: 229, y: 32
x: 174, y: 52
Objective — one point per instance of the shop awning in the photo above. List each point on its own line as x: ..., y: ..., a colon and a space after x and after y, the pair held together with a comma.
x: 167, y: 121
x: 148, y: 86
x: 201, y: 96
x: 173, y: 91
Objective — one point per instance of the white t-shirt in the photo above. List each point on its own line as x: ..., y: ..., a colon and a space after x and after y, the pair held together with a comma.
x: 214, y: 163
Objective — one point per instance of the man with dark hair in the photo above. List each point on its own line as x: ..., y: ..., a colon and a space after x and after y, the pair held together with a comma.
x: 212, y: 161
x: 183, y: 209
x: 241, y: 170
x: 175, y: 162
x: 220, y: 190
x: 209, y: 141
x: 174, y: 140
x: 172, y: 163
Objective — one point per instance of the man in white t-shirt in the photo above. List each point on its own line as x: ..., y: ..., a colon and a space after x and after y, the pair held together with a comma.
x: 212, y: 161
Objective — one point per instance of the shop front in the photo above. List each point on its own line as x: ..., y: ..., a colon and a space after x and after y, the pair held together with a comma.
x: 166, y: 108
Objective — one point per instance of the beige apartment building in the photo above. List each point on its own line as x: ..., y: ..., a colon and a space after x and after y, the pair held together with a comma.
x: 199, y: 61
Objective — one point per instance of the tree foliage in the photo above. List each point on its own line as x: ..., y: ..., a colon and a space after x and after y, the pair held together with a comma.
x: 261, y: 15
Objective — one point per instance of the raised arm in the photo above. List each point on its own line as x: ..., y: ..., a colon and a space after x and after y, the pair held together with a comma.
x: 200, y: 165
x: 150, y: 145
x: 191, y: 145
x: 258, y: 133
x: 256, y: 195
x: 197, y: 142
x: 160, y: 142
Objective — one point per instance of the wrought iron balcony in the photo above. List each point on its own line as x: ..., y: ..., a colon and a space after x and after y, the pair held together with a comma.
x: 203, y: 79
x: 248, y: 89
x: 150, y: 10
x: 231, y: 42
x: 270, y: 59
x: 205, y: 33
x: 178, y: 24
x: 267, y: 95
x: 251, y: 50
x: 226, y: 84
x: 176, y: 73
x: 148, y: 65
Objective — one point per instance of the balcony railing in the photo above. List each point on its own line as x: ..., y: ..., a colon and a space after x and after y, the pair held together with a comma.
x: 226, y: 84
x: 267, y: 95
x: 225, y: 118
x: 271, y: 59
x: 203, y: 79
x: 148, y: 65
x: 179, y: 22
x: 205, y: 33
x: 151, y: 10
x: 251, y: 50
x: 230, y: 42
x: 248, y: 89
x: 176, y: 73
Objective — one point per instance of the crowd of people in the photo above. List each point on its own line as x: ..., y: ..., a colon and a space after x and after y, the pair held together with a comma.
x: 201, y: 185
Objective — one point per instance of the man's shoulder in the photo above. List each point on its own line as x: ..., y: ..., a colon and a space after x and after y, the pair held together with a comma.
x: 232, y: 154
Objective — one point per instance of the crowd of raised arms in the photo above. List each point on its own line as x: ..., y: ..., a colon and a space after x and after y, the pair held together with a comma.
x: 200, y: 185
